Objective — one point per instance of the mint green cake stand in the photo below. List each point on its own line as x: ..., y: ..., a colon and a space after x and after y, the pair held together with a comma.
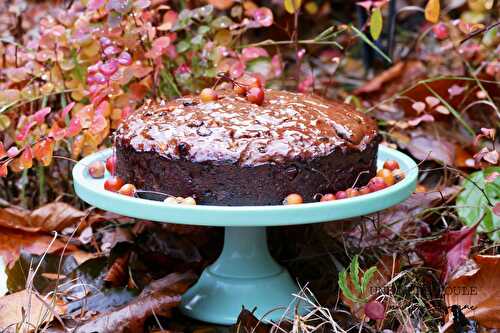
x: 245, y: 274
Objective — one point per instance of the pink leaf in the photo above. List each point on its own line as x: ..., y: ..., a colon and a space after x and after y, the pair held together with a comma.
x: 161, y: 43
x: 455, y: 90
x: 40, y: 115
x: 425, y: 117
x: 496, y: 209
x: 250, y: 53
x: 12, y: 152
x: 263, y: 16
x: 95, y: 4
x: 492, y: 177
x: 306, y: 84
x: 98, y: 124
x: 23, y: 133
x: 67, y: 109
x: 300, y: 54
x: 74, y: 127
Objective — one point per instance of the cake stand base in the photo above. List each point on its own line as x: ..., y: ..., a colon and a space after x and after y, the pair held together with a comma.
x: 246, y: 275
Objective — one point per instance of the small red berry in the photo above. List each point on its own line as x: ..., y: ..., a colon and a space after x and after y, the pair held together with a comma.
x: 391, y: 165
x: 398, y: 174
x: 352, y: 192
x: 111, y: 164
x: 386, y: 174
x: 440, y: 31
x: 96, y: 169
x: 364, y: 190
x: 127, y: 189
x: 255, y: 95
x: 113, y: 184
x: 376, y: 184
x: 327, y: 197
x: 208, y: 95
x: 293, y: 199
x: 341, y: 195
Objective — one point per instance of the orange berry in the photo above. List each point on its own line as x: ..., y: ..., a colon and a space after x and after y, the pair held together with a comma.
x: 387, y: 175
x: 111, y: 164
x: 327, y: 197
x: 240, y: 90
x: 208, y: 95
x: 256, y: 95
x: 127, y: 189
x: 293, y: 199
x: 352, y: 192
x: 364, y: 190
x: 96, y: 169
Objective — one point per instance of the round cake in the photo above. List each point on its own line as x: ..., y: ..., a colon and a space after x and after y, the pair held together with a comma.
x: 232, y: 152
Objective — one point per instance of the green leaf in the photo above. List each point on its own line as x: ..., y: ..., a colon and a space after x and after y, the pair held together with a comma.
x: 4, y: 122
x: 370, y: 43
x: 376, y: 23
x: 345, y: 289
x: 354, y: 272
x: 367, y: 277
x: 182, y: 46
x: 478, y: 198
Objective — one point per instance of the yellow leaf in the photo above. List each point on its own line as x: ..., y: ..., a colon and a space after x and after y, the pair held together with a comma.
x: 432, y: 10
x: 311, y: 7
x: 376, y: 24
x: 291, y: 6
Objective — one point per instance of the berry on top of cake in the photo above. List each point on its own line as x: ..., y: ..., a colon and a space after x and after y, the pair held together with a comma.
x: 225, y: 149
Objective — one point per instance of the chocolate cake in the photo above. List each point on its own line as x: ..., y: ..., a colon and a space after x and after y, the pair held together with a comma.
x: 232, y: 152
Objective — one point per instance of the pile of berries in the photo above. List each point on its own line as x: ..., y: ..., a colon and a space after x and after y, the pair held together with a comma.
x: 248, y: 86
x: 116, y: 184
x: 389, y: 175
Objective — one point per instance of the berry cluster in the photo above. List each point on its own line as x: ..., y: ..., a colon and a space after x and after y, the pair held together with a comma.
x: 116, y: 184
x: 249, y: 86
x: 387, y: 176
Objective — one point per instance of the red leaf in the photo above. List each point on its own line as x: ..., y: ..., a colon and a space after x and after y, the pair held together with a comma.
x: 3, y: 152
x: 40, y: 115
x: 449, y: 251
x: 3, y: 169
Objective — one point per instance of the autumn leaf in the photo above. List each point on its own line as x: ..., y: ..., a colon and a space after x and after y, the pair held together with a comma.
x: 157, y: 301
x: 477, y: 292
x: 432, y: 10
x: 291, y: 6
x: 16, y: 306
x: 449, y: 251
x: 376, y: 23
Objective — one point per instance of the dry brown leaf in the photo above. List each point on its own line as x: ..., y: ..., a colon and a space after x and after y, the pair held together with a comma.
x: 56, y: 216
x: 11, y: 309
x: 52, y: 217
x: 477, y: 292
x: 13, y: 241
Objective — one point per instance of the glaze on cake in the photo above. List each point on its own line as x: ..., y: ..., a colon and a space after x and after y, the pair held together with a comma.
x: 233, y: 152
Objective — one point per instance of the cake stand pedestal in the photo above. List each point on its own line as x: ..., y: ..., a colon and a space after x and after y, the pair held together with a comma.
x: 245, y: 274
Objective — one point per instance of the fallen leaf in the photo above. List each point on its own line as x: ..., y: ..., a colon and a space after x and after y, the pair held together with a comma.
x: 13, y: 306
x: 52, y: 217
x: 247, y: 323
x: 131, y: 317
x: 426, y: 147
x: 13, y: 241
x: 449, y: 251
x: 477, y: 292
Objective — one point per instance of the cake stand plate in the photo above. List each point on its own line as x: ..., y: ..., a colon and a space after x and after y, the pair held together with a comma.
x: 245, y: 274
